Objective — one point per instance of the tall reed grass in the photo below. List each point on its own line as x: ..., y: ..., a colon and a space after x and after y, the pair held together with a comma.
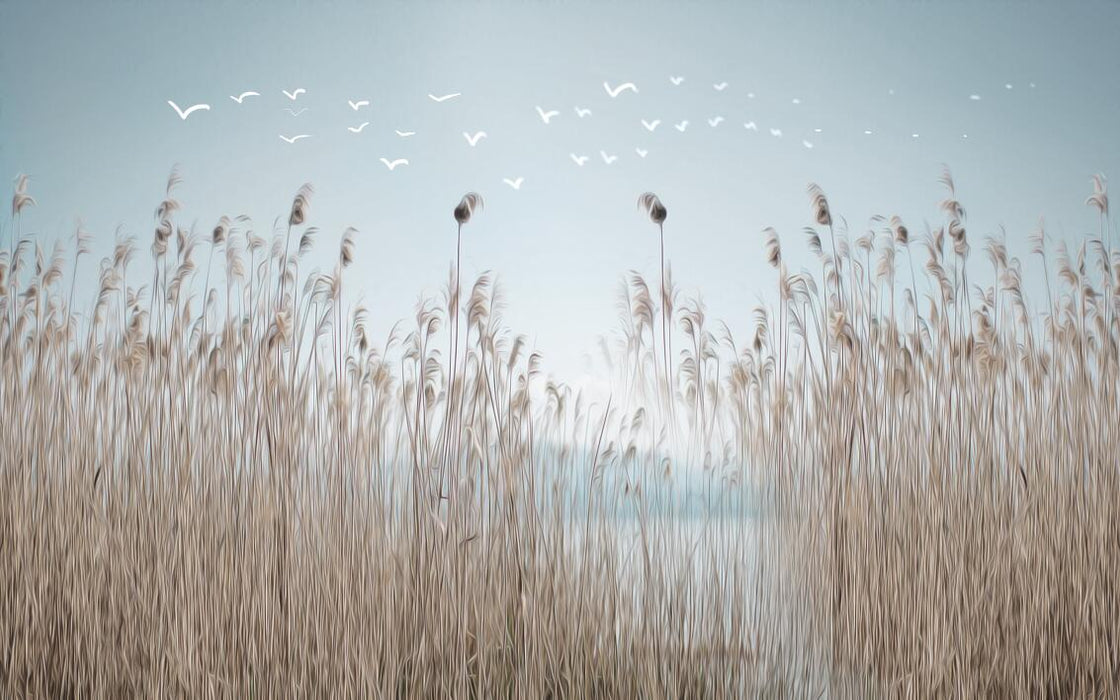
x: 906, y: 486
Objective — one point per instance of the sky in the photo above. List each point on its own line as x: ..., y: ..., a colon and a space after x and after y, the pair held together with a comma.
x: 84, y: 91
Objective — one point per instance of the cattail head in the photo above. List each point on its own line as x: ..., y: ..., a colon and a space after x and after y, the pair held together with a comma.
x: 21, y: 200
x: 300, y: 205
x: 821, y: 212
x: 1099, y: 199
x: 653, y: 207
x: 468, y: 205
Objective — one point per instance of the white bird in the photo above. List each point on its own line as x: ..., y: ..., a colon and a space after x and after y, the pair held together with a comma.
x: 796, y: 100
x: 714, y: 121
x: 775, y: 132
x: 641, y: 152
x: 676, y: 80
x: 750, y: 95
x: 720, y: 86
x: 682, y: 126
x: 391, y: 165
x: 241, y: 98
x: 867, y: 132
x: 582, y: 112
x: 579, y: 160
x: 546, y: 116
x: 357, y: 105
x: 1008, y: 86
x: 650, y: 126
x: 615, y: 92
x: 913, y: 136
x: 404, y: 134
x: 751, y: 125
x: 473, y: 140
x: 817, y: 130
x: 515, y: 184
x: 974, y: 97
x: 357, y: 129
x: 964, y: 136
x: 294, y: 93
x: 443, y: 98
x: 608, y: 159
x: 806, y: 144
x: 294, y: 113
x: 293, y: 139
x: 183, y: 114
x: 1031, y: 85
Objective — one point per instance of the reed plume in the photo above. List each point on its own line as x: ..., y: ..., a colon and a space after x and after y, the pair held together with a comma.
x: 657, y: 213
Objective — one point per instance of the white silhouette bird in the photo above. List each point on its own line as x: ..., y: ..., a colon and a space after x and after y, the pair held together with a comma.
x: 913, y: 136
x: 294, y: 93
x: 775, y: 132
x: 867, y: 132
x: 443, y: 98
x: 357, y: 105
x: 714, y: 121
x: 796, y: 101
x: 650, y: 126
x: 720, y: 87
x: 293, y: 139
x: 642, y: 153
x: 582, y: 112
x: 515, y: 184
x: 404, y: 134
x: 676, y: 80
x: 616, y: 91
x: 546, y: 116
x: 183, y: 114
x: 294, y: 113
x: 751, y: 125
x: 475, y: 138
x: 817, y: 130
x: 391, y: 165
x: 974, y: 98
x: 682, y: 126
x: 357, y: 129
x: 608, y: 159
x: 806, y: 144
x: 579, y: 160
x: 1008, y: 86
x: 241, y: 98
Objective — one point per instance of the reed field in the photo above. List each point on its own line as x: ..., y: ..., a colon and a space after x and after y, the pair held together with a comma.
x: 901, y: 481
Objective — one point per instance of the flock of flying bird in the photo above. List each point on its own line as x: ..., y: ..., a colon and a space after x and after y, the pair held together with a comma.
x: 546, y: 116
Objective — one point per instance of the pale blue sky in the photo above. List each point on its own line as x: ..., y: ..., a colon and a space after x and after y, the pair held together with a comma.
x: 83, y: 111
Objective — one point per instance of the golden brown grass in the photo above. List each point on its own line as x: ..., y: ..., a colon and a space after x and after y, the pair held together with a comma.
x: 266, y: 502
x: 238, y: 492
x: 949, y: 478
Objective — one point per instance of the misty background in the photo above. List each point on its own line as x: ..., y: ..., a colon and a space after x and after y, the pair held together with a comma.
x: 83, y: 112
